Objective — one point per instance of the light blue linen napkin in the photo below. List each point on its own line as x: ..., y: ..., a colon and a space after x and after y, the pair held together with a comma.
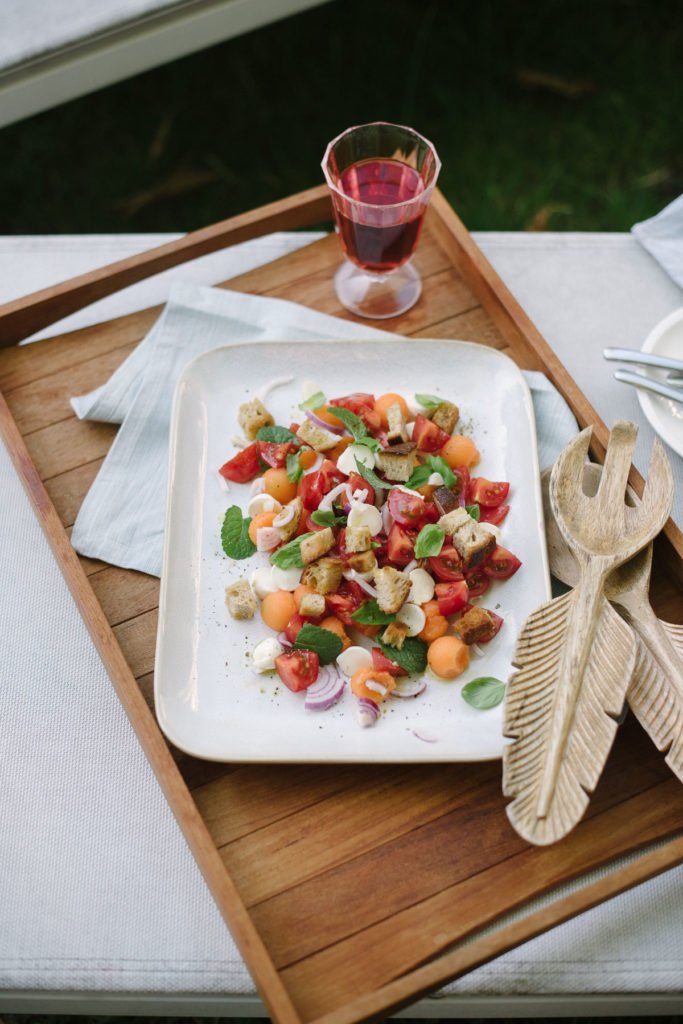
x: 662, y: 236
x: 121, y: 520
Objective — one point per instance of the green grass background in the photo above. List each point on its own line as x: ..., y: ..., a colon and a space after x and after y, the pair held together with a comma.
x: 594, y: 144
x: 597, y: 147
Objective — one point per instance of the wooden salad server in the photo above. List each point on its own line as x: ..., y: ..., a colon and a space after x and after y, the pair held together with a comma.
x: 575, y: 656
x: 656, y: 691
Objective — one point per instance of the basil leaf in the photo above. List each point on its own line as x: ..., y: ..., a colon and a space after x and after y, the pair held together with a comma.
x: 484, y: 692
x: 352, y: 422
x: 326, y: 644
x: 277, y: 435
x: 314, y: 402
x: 370, y: 614
x: 429, y: 541
x: 474, y: 511
x: 289, y: 555
x: 439, y: 465
x: 235, y: 534
x: 412, y: 656
x: 327, y: 518
x: 428, y: 401
x: 370, y: 477
x: 419, y: 476
x: 294, y: 468
x: 370, y: 442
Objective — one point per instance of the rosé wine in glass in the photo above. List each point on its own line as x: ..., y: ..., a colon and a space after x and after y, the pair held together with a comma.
x: 381, y: 177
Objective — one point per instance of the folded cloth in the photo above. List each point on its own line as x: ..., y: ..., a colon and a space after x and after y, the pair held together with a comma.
x: 121, y: 520
x: 662, y: 236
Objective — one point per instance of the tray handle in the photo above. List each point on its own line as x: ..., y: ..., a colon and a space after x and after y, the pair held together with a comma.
x: 30, y: 313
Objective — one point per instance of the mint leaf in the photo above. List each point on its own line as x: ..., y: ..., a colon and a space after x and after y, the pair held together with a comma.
x: 327, y: 518
x: 294, y: 468
x: 235, y: 534
x: 353, y: 423
x: 326, y: 644
x: 428, y: 401
x: 370, y: 477
x: 419, y: 476
x: 484, y: 692
x: 277, y: 435
x: 289, y: 555
x: 370, y: 442
x: 429, y: 541
x: 473, y: 510
x: 370, y: 614
x: 439, y: 465
x: 314, y: 402
x: 412, y: 656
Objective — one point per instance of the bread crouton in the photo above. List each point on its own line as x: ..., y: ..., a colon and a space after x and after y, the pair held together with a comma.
x: 392, y: 587
x: 476, y: 624
x: 396, y: 425
x: 473, y: 544
x: 357, y: 538
x: 446, y: 415
x: 317, y: 545
x: 445, y: 500
x: 316, y: 437
x: 454, y: 521
x: 324, y: 576
x: 395, y: 634
x: 398, y: 463
x: 252, y: 416
x: 240, y: 600
x: 363, y: 561
x: 312, y: 605
x: 288, y: 519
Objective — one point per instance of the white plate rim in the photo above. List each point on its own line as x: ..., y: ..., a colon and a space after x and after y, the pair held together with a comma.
x: 165, y: 723
x: 650, y: 404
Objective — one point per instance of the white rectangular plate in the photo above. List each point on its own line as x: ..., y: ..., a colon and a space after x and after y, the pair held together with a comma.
x: 209, y: 700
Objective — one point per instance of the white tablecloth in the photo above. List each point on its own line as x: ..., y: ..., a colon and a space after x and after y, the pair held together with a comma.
x: 100, y: 898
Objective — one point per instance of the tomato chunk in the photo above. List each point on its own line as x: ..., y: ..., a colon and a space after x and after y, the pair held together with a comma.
x: 493, y: 514
x: 358, y: 483
x: 275, y: 455
x: 345, y: 601
x: 447, y: 565
x: 487, y: 492
x: 298, y: 669
x: 400, y: 545
x: 452, y: 597
x: 296, y: 623
x: 477, y: 581
x: 501, y: 564
x: 363, y: 405
x: 243, y: 467
x: 310, y: 490
x: 406, y: 509
x: 384, y: 664
x: 427, y: 436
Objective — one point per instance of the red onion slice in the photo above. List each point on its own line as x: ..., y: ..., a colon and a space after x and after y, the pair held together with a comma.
x: 325, y: 691
x: 409, y: 687
x: 368, y: 712
x: 316, y: 465
x: 387, y: 519
x: 410, y: 566
x: 323, y: 424
x: 267, y: 538
x: 426, y: 737
x: 330, y: 498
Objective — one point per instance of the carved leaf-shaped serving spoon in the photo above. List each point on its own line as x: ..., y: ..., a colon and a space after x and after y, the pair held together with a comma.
x: 655, y: 694
x: 575, y: 656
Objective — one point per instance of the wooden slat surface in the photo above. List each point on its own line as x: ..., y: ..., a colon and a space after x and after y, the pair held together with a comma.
x: 352, y: 876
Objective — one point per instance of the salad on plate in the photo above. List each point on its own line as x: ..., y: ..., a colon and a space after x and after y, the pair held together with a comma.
x: 373, y: 544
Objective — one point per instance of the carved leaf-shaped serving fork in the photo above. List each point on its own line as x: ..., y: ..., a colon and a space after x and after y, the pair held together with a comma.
x: 655, y: 694
x: 575, y: 656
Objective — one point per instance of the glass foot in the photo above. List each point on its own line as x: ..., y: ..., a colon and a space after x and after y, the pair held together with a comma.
x: 377, y: 296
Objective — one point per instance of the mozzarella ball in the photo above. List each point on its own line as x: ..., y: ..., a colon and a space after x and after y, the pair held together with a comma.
x: 261, y: 581
x: 286, y: 579
x: 421, y: 587
x: 365, y: 515
x: 413, y: 617
x: 262, y: 503
x: 353, y: 659
x: 347, y: 460
x: 264, y: 654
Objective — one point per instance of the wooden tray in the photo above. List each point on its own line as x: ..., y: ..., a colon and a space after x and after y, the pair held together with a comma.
x: 347, y: 889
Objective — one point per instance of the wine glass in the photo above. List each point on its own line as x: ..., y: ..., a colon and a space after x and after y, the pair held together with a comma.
x: 381, y: 177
